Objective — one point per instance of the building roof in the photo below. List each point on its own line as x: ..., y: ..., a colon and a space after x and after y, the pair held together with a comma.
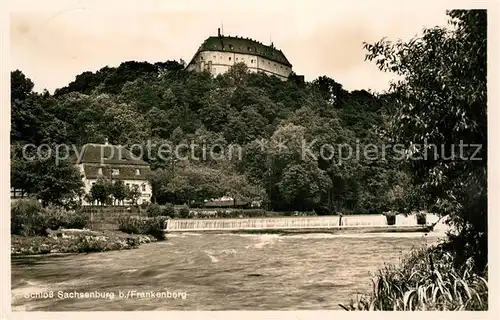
x: 243, y: 45
x: 124, y: 172
x: 108, y: 154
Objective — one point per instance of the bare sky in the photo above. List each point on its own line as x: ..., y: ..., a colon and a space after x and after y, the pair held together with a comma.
x: 319, y: 38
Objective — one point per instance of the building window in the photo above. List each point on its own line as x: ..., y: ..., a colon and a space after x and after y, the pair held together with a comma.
x: 99, y: 171
x: 229, y: 58
x: 251, y: 61
x: 137, y: 172
x: 115, y: 172
x: 93, y: 183
x: 143, y: 187
x: 201, y: 57
x: 128, y: 185
x: 236, y: 59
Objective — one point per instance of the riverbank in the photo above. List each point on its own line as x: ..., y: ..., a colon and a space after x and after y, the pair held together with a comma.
x: 77, y: 241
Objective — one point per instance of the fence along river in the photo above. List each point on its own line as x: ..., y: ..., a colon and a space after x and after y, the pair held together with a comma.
x: 290, y: 223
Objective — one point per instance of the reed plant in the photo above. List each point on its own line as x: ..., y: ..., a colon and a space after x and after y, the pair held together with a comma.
x: 425, y: 280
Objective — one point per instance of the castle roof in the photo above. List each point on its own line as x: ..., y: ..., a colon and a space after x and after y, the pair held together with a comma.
x: 108, y: 154
x: 243, y: 45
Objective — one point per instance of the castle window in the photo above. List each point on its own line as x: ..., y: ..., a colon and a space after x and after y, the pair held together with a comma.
x: 143, y: 187
x: 115, y: 172
x: 93, y: 183
x: 229, y: 58
x: 201, y: 57
x: 137, y: 172
x: 236, y: 59
x: 99, y: 171
x: 251, y: 61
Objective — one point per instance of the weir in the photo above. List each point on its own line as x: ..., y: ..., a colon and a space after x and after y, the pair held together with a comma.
x: 290, y: 223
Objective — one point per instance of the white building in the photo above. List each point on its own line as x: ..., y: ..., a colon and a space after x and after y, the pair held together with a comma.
x: 114, y: 163
x: 218, y: 54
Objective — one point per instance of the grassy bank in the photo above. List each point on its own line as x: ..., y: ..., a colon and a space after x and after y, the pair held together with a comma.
x: 37, y: 230
x: 76, y: 241
x: 426, y: 279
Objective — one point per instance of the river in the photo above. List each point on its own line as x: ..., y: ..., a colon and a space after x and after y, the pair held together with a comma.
x: 212, y: 272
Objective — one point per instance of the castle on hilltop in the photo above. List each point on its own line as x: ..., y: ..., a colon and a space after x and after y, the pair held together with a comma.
x: 218, y: 54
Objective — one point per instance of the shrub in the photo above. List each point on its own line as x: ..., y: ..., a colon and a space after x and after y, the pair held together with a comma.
x: 421, y: 218
x: 153, y: 226
x: 168, y: 210
x: 91, y: 244
x: 55, y: 218
x: 255, y: 213
x: 425, y: 280
x: 28, y: 218
x: 184, y: 212
x: 154, y: 210
x: 390, y: 216
x: 145, y: 205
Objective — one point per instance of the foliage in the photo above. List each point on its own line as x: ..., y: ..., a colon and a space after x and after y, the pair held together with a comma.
x: 391, y: 217
x: 421, y: 218
x: 119, y: 190
x: 45, y: 175
x: 426, y: 279
x: 154, y: 210
x: 136, y: 225
x: 68, y: 241
x: 438, y: 110
x: 101, y: 191
x: 132, y: 193
x: 25, y: 217
x: 184, y: 212
x: 28, y: 218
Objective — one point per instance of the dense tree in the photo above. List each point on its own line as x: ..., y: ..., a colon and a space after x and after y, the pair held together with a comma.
x: 100, y: 192
x: 440, y: 104
x: 46, y: 175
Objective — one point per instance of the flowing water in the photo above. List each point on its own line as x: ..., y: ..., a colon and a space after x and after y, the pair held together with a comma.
x: 212, y: 272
